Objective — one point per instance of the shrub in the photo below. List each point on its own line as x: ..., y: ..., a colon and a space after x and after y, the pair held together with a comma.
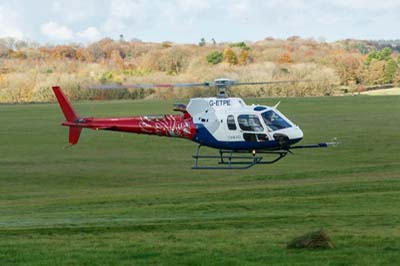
x: 106, y: 76
x: 215, y: 57
x: 166, y: 44
x: 241, y: 45
x: 230, y: 56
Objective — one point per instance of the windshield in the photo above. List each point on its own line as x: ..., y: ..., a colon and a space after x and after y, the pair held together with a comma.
x: 274, y: 121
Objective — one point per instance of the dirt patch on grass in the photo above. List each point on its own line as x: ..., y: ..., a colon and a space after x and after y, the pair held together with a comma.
x: 313, y: 240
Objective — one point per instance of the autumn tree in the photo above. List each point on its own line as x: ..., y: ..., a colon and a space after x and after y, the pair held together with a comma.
x: 375, y: 73
x: 285, y: 58
x: 83, y: 54
x: 96, y: 52
x: 172, y: 61
x: 349, y: 68
x: 116, y: 58
x: 63, y: 52
x: 244, y: 57
x: 17, y: 54
x: 230, y: 56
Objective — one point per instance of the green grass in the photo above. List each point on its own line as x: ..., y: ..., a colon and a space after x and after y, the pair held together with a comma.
x: 123, y: 199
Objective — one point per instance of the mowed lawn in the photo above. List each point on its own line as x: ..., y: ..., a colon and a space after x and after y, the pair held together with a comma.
x: 124, y: 199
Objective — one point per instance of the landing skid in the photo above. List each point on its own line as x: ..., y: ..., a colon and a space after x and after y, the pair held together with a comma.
x: 227, y: 159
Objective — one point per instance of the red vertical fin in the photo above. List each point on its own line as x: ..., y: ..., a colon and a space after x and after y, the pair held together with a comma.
x: 74, y: 133
x: 65, y: 105
x: 70, y: 115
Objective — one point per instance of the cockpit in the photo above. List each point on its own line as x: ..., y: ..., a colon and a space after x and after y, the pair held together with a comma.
x: 255, y: 126
x: 251, y: 122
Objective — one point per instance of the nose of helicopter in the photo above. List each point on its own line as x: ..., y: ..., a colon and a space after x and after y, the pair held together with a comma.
x: 297, y: 134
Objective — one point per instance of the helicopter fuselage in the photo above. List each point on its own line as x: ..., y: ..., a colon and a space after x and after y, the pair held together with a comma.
x: 229, y: 123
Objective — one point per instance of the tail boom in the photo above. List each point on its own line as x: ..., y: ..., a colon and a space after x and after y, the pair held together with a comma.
x: 168, y: 125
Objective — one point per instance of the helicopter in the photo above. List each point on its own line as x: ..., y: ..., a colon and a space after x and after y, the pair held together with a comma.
x: 241, y: 133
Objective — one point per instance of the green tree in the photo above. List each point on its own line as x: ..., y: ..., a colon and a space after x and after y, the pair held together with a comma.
x: 373, y: 55
x: 390, y: 71
x: 382, y: 55
x: 202, y: 42
x: 215, y: 57
x: 241, y: 45
x: 362, y: 48
x: 385, y: 54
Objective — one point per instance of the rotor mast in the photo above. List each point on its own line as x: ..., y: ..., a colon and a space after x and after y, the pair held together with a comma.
x: 222, y: 86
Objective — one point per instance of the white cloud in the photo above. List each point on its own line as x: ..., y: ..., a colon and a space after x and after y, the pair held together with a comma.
x: 124, y: 13
x: 9, y: 24
x: 75, y: 11
x: 192, y: 5
x: 126, y: 9
x: 240, y: 9
x: 189, y: 20
x: 289, y: 4
x: 367, y: 4
x: 57, y: 32
x: 89, y: 34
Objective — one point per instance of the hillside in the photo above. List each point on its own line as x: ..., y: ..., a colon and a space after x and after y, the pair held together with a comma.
x: 28, y: 70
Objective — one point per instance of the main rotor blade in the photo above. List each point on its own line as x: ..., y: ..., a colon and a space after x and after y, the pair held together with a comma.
x: 270, y: 82
x: 146, y: 86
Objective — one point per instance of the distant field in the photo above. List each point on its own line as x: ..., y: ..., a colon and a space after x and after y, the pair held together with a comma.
x: 120, y: 199
x: 393, y: 91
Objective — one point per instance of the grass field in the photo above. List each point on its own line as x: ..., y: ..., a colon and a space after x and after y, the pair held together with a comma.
x: 120, y: 199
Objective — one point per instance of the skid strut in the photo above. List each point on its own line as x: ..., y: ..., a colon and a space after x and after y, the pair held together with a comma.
x: 227, y: 159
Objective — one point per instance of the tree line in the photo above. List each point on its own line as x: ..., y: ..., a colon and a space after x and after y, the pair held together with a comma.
x: 28, y: 70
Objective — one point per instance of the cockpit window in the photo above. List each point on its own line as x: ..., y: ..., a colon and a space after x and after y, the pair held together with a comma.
x: 250, y: 123
x: 274, y: 121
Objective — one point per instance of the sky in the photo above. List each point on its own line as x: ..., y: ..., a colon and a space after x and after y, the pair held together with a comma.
x: 187, y: 21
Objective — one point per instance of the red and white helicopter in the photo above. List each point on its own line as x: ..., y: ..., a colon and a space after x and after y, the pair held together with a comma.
x: 224, y: 123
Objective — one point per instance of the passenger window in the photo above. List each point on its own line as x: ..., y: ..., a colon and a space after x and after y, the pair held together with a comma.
x: 231, y: 122
x: 250, y: 123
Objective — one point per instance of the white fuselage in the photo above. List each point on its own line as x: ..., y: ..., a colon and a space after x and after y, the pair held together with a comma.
x: 232, y: 120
